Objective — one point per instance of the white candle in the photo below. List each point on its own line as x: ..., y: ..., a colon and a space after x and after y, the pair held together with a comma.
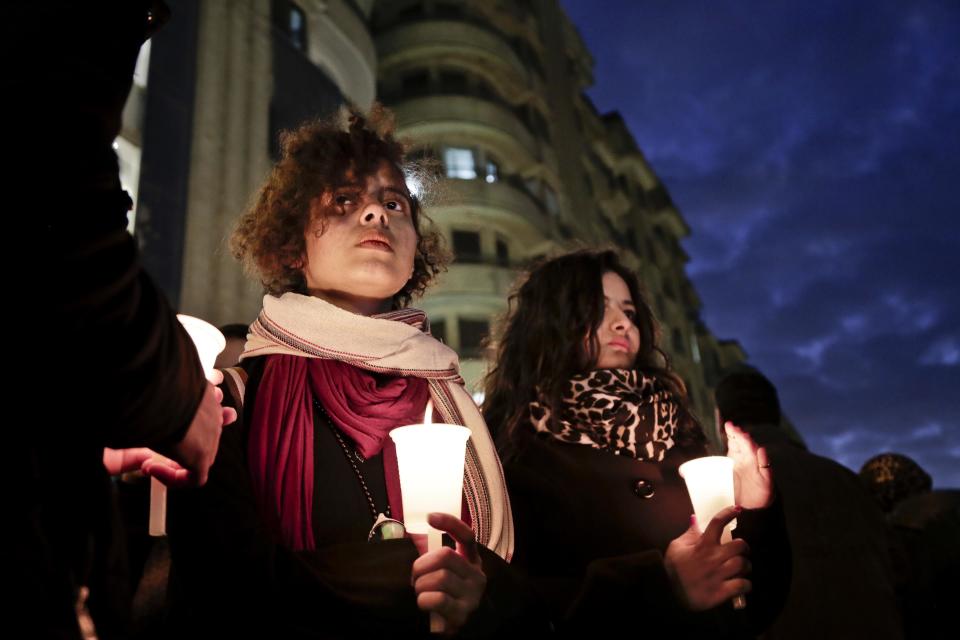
x: 430, y: 460
x: 209, y: 342
x: 710, y: 485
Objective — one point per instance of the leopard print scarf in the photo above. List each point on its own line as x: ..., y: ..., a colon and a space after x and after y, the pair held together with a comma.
x: 616, y: 410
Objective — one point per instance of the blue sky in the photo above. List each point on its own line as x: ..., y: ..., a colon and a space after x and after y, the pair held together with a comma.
x: 814, y: 149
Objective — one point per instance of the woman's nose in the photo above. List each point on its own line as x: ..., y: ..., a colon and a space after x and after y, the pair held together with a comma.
x: 620, y: 320
x: 374, y: 213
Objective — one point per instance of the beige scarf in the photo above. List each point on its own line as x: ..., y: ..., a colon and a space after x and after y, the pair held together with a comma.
x: 395, y: 343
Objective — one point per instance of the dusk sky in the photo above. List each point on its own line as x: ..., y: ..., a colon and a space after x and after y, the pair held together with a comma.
x: 814, y: 149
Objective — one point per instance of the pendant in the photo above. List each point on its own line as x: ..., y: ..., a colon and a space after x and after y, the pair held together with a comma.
x: 386, y: 529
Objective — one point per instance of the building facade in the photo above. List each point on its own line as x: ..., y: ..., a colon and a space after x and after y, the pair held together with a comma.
x: 493, y: 90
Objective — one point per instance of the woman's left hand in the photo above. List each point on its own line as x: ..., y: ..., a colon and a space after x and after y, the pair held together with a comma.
x: 447, y: 582
x: 753, y: 482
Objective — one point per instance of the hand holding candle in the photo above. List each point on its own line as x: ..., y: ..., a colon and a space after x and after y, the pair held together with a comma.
x: 711, y: 488
x: 430, y: 458
x: 199, y: 446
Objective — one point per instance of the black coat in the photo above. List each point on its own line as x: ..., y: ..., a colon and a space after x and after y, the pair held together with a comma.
x: 591, y: 530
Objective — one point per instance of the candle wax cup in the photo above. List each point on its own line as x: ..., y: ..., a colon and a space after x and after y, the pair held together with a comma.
x: 430, y: 460
x: 207, y: 339
x: 710, y: 485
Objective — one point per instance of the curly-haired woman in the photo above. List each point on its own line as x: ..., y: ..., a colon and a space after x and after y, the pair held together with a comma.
x: 592, y: 425
x: 299, y: 529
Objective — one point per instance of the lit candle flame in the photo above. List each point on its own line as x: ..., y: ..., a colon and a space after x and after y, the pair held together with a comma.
x: 428, y: 414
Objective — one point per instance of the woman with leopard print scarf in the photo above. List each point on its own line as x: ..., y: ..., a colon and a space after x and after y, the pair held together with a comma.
x: 592, y: 425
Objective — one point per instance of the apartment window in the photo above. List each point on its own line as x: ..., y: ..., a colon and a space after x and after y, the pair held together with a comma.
x: 678, y: 343
x: 438, y: 329
x: 466, y: 246
x: 445, y: 11
x: 459, y: 163
x: 453, y: 82
x: 695, y: 348
x: 416, y: 83
x: 503, y: 252
x: 472, y: 335
x: 550, y: 200
x: 493, y: 171
x: 292, y: 21
x: 668, y: 289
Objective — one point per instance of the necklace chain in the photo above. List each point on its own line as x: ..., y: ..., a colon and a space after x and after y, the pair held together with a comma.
x: 353, y: 457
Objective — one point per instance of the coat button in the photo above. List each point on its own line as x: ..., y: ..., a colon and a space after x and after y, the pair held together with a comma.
x: 643, y: 488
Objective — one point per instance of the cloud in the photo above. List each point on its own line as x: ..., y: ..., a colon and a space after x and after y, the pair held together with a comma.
x: 810, y: 148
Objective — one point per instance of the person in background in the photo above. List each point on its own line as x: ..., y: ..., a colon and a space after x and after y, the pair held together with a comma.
x: 842, y: 584
x: 924, y: 525
x: 592, y: 425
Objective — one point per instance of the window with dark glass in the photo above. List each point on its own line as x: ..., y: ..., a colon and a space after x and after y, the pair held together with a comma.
x: 472, y: 335
x: 413, y: 12
x: 438, y: 329
x: 292, y: 21
x: 466, y: 246
x: 453, y: 82
x: 447, y: 11
x: 503, y: 252
x: 416, y: 83
x: 678, y: 344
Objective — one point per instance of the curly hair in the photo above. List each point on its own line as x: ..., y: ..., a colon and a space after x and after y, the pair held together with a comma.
x: 317, y: 158
x: 558, y: 303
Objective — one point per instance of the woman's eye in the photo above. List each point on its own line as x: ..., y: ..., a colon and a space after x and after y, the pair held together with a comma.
x: 394, y: 205
x: 342, y: 200
x: 631, y: 314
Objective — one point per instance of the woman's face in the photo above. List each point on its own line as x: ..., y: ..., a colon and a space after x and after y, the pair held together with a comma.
x: 361, y: 242
x: 618, y: 337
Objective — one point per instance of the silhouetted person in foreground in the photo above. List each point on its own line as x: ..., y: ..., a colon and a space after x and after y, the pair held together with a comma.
x: 97, y: 357
x: 925, y: 529
x: 842, y: 585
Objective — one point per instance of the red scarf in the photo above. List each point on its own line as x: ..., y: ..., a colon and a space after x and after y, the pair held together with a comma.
x: 364, y: 405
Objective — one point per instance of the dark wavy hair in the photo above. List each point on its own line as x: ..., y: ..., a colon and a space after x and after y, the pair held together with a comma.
x: 317, y: 158
x: 539, y: 342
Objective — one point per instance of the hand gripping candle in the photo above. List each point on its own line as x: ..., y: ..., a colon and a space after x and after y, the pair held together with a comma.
x: 710, y: 485
x: 430, y: 461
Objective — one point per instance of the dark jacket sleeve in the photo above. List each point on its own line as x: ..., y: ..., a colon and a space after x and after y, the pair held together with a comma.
x: 133, y: 371
x: 141, y: 377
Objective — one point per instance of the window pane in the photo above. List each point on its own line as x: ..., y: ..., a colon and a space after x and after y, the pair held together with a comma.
x: 472, y: 334
x: 459, y: 163
x: 438, y: 329
x: 466, y: 246
x: 550, y: 200
x: 493, y: 171
x: 297, y: 28
x: 503, y: 252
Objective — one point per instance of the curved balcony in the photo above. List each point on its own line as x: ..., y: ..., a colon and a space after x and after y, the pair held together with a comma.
x: 483, y: 283
x: 498, y: 201
x: 440, y: 118
x: 430, y: 41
